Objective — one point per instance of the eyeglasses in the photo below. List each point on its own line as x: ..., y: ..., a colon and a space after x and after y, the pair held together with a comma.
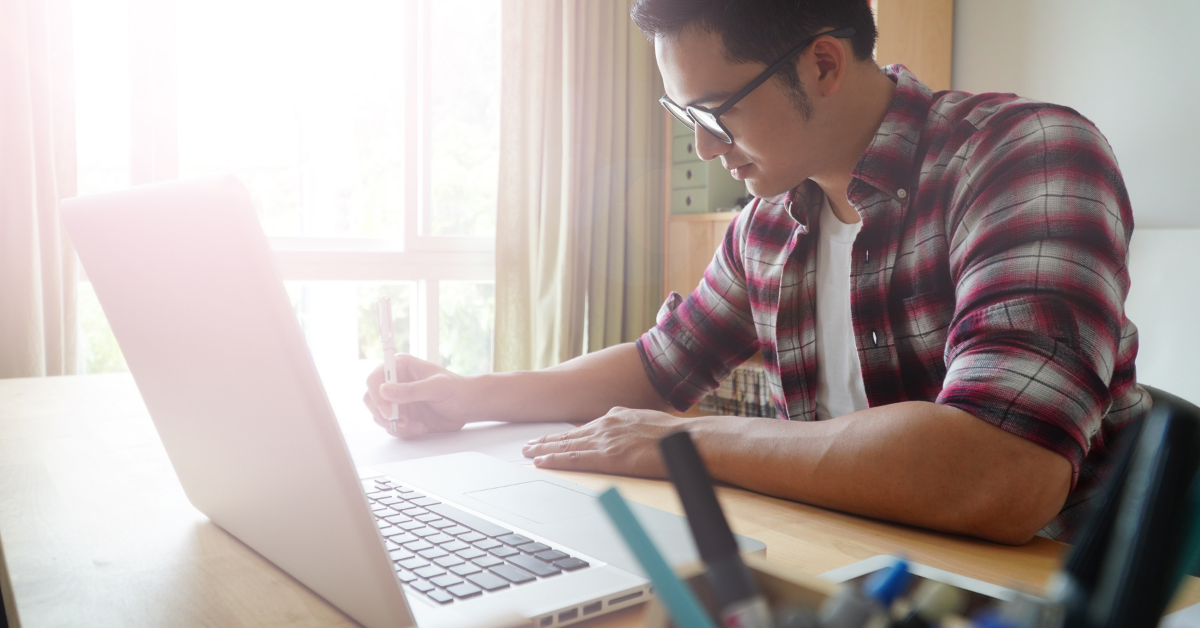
x: 710, y: 119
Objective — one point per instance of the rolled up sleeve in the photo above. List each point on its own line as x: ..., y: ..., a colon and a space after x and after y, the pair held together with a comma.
x: 1038, y: 258
x: 696, y: 344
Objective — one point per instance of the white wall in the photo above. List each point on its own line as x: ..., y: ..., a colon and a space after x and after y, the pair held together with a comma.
x: 1164, y: 303
x: 1131, y: 67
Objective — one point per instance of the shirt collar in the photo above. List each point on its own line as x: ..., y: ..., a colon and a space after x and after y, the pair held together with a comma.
x: 887, y: 163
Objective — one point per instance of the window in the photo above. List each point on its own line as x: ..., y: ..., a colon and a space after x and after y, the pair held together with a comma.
x: 367, y: 132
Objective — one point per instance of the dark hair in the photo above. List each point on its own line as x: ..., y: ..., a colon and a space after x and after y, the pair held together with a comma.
x: 761, y: 30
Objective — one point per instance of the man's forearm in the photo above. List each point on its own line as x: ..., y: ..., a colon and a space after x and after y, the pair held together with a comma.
x: 581, y: 389
x: 917, y: 462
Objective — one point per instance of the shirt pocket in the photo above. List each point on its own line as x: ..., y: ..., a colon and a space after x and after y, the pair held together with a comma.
x: 921, y: 339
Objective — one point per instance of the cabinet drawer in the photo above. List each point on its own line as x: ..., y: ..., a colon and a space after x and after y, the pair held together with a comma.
x: 678, y: 129
x: 683, y: 148
x: 689, y: 174
x: 689, y: 201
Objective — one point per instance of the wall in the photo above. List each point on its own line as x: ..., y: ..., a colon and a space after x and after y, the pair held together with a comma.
x: 1164, y: 302
x: 1127, y: 65
x: 1130, y: 67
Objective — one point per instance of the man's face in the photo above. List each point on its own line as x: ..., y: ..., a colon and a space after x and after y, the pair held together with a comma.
x: 769, y: 151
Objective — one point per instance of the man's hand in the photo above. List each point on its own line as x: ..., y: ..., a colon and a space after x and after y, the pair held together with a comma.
x: 431, y: 399
x: 623, y: 441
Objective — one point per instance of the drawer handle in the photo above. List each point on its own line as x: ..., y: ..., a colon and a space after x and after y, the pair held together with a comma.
x: 687, y: 200
x: 689, y: 175
x: 689, y: 147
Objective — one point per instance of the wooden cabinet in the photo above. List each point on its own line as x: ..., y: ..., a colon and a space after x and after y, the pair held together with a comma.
x: 691, y: 242
x: 918, y: 34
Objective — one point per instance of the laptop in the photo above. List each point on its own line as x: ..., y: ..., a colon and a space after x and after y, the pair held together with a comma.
x: 185, y: 276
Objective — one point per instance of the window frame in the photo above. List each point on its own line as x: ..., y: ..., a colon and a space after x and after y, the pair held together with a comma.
x: 416, y: 256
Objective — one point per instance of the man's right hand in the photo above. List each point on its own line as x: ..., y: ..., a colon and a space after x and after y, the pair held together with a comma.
x: 430, y: 398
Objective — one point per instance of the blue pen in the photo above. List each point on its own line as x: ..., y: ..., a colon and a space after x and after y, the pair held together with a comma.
x: 681, y: 603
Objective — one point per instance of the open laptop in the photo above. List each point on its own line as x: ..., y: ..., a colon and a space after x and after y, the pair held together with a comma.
x: 185, y: 276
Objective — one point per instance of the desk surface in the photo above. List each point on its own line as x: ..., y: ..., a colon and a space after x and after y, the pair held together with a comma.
x: 95, y: 529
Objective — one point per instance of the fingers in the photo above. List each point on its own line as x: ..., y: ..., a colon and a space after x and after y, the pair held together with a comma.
x: 559, y: 437
x: 590, y: 460
x: 533, y: 449
x: 433, y: 389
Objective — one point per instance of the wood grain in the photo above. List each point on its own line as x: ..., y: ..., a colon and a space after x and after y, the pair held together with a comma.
x: 918, y: 34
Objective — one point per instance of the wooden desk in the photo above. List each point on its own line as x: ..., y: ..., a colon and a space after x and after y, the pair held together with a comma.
x: 95, y: 529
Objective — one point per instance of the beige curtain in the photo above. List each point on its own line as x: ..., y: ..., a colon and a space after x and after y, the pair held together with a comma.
x: 37, y: 168
x: 580, y: 220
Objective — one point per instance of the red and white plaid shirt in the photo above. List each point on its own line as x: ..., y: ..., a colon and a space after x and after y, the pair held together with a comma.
x: 989, y: 275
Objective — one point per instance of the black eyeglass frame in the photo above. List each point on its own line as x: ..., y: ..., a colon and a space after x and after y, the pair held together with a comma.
x: 690, y: 120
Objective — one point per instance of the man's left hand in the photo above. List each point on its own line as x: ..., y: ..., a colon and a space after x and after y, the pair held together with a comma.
x: 624, y: 441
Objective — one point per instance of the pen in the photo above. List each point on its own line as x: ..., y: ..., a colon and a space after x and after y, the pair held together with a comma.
x: 741, y: 603
x: 384, y: 310
x: 681, y: 603
x: 869, y: 607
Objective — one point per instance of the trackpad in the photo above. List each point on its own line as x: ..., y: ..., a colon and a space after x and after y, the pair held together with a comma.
x: 539, y: 501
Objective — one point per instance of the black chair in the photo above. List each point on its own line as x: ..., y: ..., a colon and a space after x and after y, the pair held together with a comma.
x: 1129, y: 554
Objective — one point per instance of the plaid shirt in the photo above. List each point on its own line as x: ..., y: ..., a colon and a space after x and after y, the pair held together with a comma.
x: 989, y: 275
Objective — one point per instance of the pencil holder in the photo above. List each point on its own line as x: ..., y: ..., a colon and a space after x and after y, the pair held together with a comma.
x: 783, y: 586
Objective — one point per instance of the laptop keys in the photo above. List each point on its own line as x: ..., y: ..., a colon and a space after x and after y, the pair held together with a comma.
x: 439, y: 596
x: 416, y: 546
x: 550, y: 556
x: 504, y: 551
x: 415, y: 562
x: 432, y: 553
x: 487, y: 544
x: 464, y: 589
x: 465, y: 569
x: 487, y: 561
x: 448, y: 561
x: 466, y: 519
x: 426, y: 530
x: 454, y: 545
x: 511, y: 573
x: 513, y: 539
x: 534, y: 566
x: 488, y: 581
x: 571, y: 563
x: 405, y: 575
x: 446, y: 580
x: 429, y: 571
x: 470, y: 553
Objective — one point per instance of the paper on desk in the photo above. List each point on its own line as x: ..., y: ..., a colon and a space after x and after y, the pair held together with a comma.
x: 1186, y: 618
x: 500, y: 440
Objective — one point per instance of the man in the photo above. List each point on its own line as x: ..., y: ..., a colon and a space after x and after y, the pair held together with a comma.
x: 936, y: 283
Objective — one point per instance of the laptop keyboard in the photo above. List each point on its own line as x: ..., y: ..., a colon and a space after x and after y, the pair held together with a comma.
x: 447, y: 554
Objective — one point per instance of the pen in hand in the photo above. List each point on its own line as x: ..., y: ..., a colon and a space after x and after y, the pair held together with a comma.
x: 384, y: 310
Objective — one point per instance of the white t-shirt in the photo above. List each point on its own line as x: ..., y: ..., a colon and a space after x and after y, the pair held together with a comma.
x: 840, y: 388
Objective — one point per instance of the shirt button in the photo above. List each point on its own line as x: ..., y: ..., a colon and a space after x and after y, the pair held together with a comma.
x: 902, y: 193
x: 874, y: 339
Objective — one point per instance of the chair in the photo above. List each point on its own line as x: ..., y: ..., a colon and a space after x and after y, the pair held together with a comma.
x: 1142, y: 535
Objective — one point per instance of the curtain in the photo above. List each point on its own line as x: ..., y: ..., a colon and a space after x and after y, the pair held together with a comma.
x: 37, y: 168
x: 580, y: 219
